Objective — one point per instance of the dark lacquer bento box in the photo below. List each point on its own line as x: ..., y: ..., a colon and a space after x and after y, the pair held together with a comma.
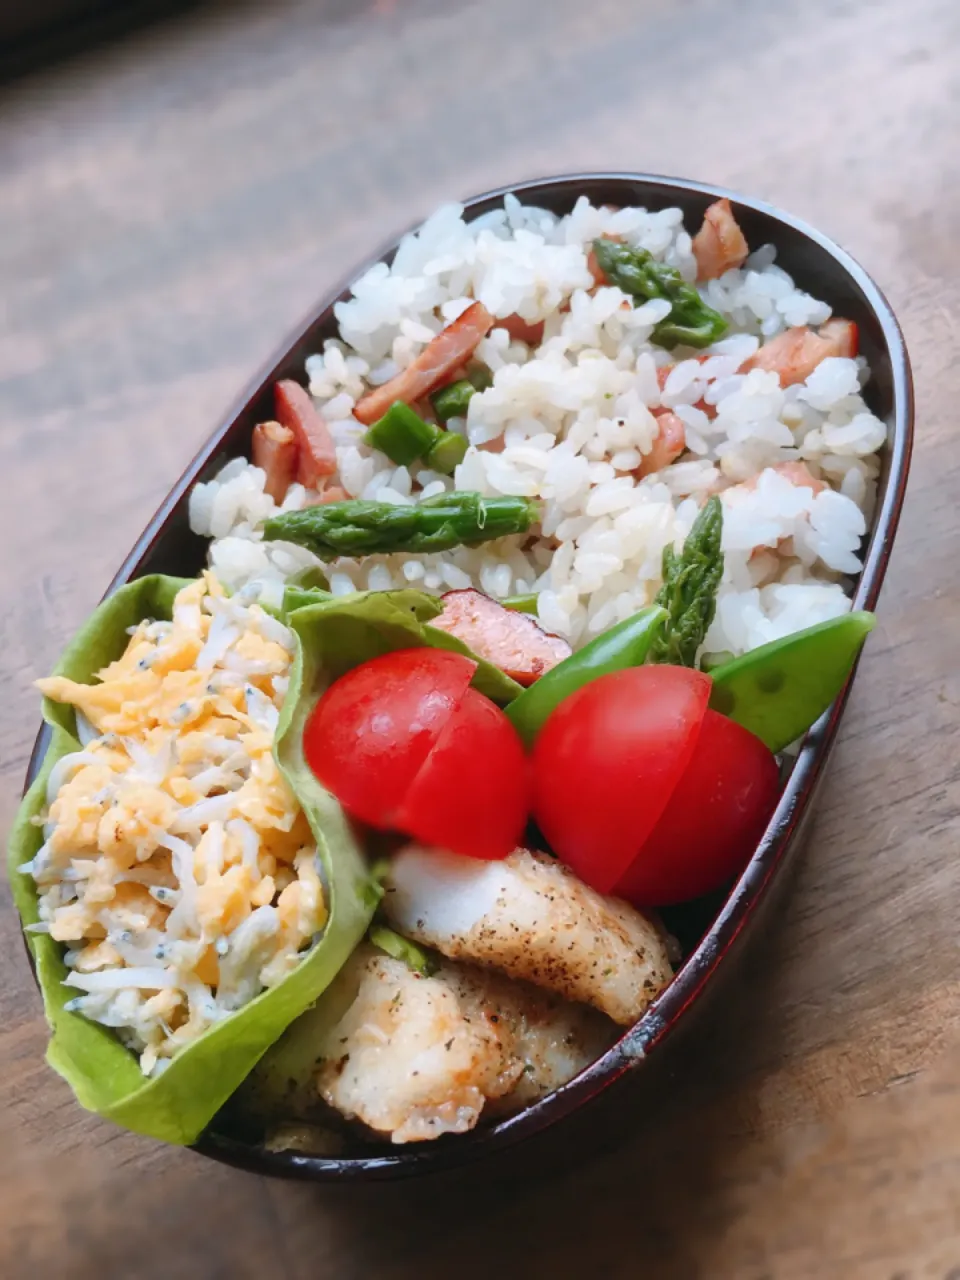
x: 712, y: 935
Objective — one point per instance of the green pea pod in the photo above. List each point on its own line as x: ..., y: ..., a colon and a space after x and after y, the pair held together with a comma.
x: 522, y: 604
x: 625, y: 645
x: 779, y: 690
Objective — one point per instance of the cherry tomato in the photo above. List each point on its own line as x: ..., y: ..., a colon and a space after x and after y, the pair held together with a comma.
x: 472, y: 794
x: 373, y: 728
x: 606, y: 763
x: 713, y: 821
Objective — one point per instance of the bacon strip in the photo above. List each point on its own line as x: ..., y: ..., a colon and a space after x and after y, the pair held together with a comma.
x: 317, y: 455
x: 521, y: 330
x: 719, y: 244
x: 433, y: 365
x: 670, y: 443
x: 798, y: 473
x: 844, y: 335
x: 275, y: 451
x: 332, y: 494
x: 511, y: 641
x: 794, y: 354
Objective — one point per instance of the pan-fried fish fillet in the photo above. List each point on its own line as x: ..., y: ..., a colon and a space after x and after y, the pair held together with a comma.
x: 414, y: 1057
x: 530, y: 917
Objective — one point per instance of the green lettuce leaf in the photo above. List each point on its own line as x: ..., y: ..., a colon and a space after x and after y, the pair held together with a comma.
x: 309, y: 586
x: 106, y: 1078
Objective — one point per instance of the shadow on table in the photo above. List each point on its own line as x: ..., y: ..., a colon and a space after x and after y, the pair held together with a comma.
x: 35, y: 35
x: 40, y: 33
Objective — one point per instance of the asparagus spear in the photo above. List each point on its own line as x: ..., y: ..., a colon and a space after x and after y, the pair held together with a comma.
x: 689, y: 591
x: 359, y: 528
x: 690, y: 321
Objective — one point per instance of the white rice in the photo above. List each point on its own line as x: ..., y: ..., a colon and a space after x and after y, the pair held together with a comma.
x: 569, y: 423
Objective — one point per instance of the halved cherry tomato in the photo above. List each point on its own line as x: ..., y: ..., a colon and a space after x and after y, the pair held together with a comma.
x: 371, y: 731
x: 607, y: 761
x: 472, y: 794
x: 713, y: 821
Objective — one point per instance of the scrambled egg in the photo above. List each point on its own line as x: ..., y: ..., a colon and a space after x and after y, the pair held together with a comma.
x: 177, y: 866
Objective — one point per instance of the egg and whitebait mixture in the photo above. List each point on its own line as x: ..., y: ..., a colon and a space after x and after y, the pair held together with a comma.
x: 177, y: 866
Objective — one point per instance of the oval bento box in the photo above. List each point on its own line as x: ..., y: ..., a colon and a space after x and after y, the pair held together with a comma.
x: 714, y: 938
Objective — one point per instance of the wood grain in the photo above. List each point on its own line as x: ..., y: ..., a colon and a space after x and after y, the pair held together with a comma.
x: 169, y: 207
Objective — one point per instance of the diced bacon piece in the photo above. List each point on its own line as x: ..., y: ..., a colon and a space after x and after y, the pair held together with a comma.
x: 295, y: 410
x: 719, y: 244
x: 511, y: 641
x: 432, y: 367
x: 670, y: 443
x: 333, y: 493
x: 845, y: 336
x: 798, y: 473
x: 275, y: 451
x: 593, y: 266
x: 521, y: 330
x: 664, y: 372
x: 795, y: 353
x: 800, y: 476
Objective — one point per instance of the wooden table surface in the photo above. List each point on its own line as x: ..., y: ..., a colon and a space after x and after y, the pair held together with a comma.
x: 169, y: 206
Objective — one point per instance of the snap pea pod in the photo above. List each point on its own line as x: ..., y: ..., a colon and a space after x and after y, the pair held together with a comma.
x: 709, y: 662
x: 779, y: 690
x: 522, y: 604
x: 625, y: 645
